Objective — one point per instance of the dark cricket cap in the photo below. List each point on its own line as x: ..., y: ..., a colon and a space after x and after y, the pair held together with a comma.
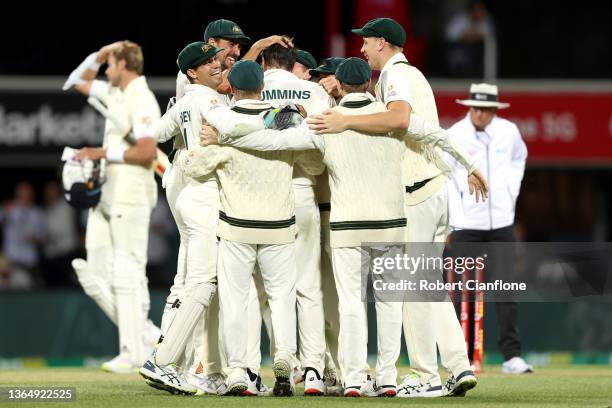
x: 354, y: 71
x: 305, y: 58
x: 386, y: 28
x: 196, y: 53
x: 246, y: 75
x: 328, y: 66
x: 225, y: 29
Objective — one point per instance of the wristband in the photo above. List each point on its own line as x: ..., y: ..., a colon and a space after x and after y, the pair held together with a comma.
x: 115, y: 154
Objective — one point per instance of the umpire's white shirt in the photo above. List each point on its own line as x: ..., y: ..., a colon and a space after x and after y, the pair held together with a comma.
x: 136, y: 111
x: 500, y: 152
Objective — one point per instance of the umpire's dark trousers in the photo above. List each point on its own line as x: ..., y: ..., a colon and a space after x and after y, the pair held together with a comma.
x: 507, y: 314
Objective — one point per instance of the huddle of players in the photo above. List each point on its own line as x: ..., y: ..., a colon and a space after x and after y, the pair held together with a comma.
x: 262, y: 222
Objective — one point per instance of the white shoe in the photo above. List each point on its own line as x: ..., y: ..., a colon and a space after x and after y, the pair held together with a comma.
x: 255, y: 386
x: 212, y: 384
x: 352, y: 391
x: 516, y: 365
x: 284, y: 386
x: 457, y: 387
x: 166, y: 378
x: 371, y: 389
x: 411, y: 387
x: 313, y: 382
x: 237, y: 382
x: 122, y: 364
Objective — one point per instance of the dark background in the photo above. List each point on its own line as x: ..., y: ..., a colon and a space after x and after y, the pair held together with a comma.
x: 536, y: 39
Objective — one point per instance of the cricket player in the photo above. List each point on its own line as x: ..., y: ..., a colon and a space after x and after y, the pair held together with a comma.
x: 117, y: 228
x: 282, y: 86
x: 325, y: 76
x: 228, y: 35
x: 256, y: 225
x: 304, y: 62
x: 367, y: 205
x: 196, y: 213
x: 411, y: 108
x: 204, y: 352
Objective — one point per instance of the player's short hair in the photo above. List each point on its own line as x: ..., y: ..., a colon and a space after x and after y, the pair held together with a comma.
x: 354, y: 88
x: 278, y: 56
x: 132, y: 54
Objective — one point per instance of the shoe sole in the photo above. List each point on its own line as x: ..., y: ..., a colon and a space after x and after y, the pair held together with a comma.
x: 352, y: 394
x: 237, y: 389
x: 130, y: 370
x: 462, y: 388
x: 388, y: 394
x: 282, y: 386
x: 313, y: 392
x: 164, y: 387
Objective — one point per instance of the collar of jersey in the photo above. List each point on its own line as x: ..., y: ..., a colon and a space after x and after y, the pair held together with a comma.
x: 252, y: 103
x: 277, y: 73
x: 397, y: 57
x: 199, y: 88
x: 356, y: 97
x: 136, y: 83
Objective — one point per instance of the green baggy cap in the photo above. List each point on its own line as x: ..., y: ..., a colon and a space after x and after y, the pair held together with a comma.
x: 196, y: 53
x: 386, y: 28
x: 354, y: 71
x: 246, y: 75
x: 305, y: 58
x: 225, y: 29
x: 328, y: 66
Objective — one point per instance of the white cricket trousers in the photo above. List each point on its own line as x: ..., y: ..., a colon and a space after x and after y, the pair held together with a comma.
x: 309, y: 292
x: 116, y: 243
x: 349, y: 265
x: 195, y: 207
x: 330, y: 301
x: 429, y: 323
x: 235, y: 269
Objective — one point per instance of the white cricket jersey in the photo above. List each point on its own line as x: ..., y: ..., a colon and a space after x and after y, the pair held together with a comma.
x: 367, y: 194
x: 282, y: 86
x: 400, y: 81
x: 255, y: 187
x: 135, y: 110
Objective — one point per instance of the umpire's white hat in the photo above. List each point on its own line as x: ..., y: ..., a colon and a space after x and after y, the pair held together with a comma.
x: 483, y: 96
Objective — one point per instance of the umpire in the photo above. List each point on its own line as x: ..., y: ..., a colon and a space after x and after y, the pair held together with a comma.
x: 497, y: 146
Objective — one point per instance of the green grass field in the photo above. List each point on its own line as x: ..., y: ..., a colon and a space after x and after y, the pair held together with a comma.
x: 558, y: 386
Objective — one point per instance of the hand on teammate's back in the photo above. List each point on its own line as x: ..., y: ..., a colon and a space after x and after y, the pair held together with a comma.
x: 208, y: 135
x: 328, y: 122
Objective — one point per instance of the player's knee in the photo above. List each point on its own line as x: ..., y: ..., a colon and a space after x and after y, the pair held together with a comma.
x: 202, y: 293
